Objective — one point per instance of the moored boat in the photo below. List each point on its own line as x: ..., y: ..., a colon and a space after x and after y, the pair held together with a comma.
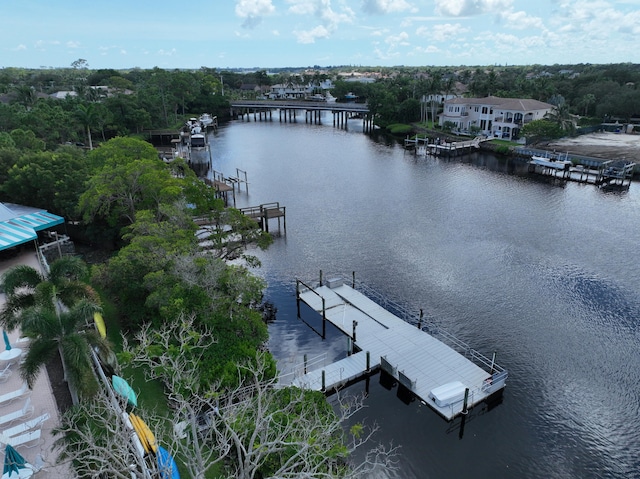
x: 551, y: 162
x: 206, y: 120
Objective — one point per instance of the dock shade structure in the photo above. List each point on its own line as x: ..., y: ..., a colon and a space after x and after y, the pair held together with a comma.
x: 20, y: 224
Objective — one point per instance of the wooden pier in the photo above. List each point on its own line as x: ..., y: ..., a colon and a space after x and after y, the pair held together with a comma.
x: 443, y: 372
x: 265, y: 212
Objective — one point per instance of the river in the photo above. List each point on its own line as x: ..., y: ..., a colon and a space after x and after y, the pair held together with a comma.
x: 543, y: 274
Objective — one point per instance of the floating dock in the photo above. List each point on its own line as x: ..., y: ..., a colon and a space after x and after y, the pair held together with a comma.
x: 444, y: 373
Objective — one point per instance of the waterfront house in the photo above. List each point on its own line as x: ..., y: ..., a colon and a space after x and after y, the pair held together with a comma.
x: 493, y: 116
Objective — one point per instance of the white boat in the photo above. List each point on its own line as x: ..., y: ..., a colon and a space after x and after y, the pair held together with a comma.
x: 194, y: 126
x: 551, y: 162
x: 317, y: 97
x: 198, y: 140
x: 206, y: 120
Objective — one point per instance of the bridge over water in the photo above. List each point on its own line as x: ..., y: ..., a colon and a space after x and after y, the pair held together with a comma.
x: 288, y: 111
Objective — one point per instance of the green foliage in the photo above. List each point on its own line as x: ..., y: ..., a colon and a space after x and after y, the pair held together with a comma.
x: 502, y: 150
x: 26, y: 140
x: 539, y: 130
x: 50, y: 180
x: 34, y: 305
x: 132, y: 178
x: 153, y: 241
x: 6, y: 141
x: 399, y: 129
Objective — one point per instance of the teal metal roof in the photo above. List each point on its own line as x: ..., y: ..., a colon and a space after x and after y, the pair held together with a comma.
x: 23, y: 227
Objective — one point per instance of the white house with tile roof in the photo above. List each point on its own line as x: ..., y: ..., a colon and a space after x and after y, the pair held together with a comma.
x: 494, y: 116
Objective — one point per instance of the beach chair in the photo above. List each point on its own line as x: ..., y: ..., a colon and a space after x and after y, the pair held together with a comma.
x: 27, y: 439
x: 5, y: 373
x: 13, y: 395
x: 34, y: 423
x: 23, y: 413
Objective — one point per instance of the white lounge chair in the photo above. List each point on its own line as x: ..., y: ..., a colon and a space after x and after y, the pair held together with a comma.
x: 23, y: 413
x: 34, y: 423
x: 5, y: 373
x: 13, y: 395
x: 25, y: 439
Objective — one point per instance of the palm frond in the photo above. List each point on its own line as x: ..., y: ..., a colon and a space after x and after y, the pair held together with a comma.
x: 11, y: 313
x: 76, y: 356
x: 39, y: 322
x: 68, y: 268
x: 40, y: 352
x: 21, y: 276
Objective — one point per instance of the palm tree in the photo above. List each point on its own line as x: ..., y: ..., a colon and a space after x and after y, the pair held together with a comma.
x: 561, y: 116
x: 56, y: 311
x: 26, y: 287
x: 88, y: 116
x: 72, y: 334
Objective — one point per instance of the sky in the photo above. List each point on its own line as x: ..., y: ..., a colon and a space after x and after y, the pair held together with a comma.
x: 301, y: 33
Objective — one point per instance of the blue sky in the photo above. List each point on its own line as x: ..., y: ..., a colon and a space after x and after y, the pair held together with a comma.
x: 299, y: 33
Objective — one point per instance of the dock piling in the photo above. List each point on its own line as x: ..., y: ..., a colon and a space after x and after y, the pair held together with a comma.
x: 465, y: 410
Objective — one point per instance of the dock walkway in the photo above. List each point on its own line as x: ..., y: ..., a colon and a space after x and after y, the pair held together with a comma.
x: 417, y: 360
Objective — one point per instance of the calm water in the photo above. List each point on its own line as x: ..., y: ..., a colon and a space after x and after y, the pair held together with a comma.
x: 545, y: 275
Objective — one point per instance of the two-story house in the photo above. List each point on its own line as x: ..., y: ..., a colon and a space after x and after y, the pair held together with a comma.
x: 493, y: 116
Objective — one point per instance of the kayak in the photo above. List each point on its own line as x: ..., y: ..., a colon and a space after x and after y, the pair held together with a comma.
x: 100, y: 326
x: 166, y: 464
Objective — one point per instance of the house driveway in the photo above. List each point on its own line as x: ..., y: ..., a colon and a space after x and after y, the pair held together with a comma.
x: 38, y: 452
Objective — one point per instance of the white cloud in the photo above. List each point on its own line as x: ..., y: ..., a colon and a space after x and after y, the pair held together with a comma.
x: 310, y: 36
x: 442, y: 33
x: 401, y: 39
x: 464, y: 8
x: 386, y: 6
x: 20, y: 48
x: 167, y: 53
x: 322, y: 10
x: 252, y: 11
x: 520, y: 20
x: 71, y: 44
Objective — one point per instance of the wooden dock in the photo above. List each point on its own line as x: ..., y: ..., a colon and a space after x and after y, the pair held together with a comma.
x: 266, y: 211
x: 419, y: 361
x: 607, y: 173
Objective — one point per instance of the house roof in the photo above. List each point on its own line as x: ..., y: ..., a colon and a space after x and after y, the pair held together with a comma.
x: 20, y: 224
x: 512, y: 104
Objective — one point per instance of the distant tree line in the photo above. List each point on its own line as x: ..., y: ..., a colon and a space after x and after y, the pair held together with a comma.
x: 138, y: 99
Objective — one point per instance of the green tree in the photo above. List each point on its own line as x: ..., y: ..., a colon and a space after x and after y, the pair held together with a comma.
x: 54, y: 310
x: 50, y: 180
x: 26, y: 140
x: 132, y: 178
x: 538, y: 130
x: 71, y: 334
x: 87, y: 114
x: 561, y: 116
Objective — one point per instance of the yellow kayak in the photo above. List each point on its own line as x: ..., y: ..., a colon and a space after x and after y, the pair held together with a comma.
x: 102, y: 329
x: 145, y: 435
